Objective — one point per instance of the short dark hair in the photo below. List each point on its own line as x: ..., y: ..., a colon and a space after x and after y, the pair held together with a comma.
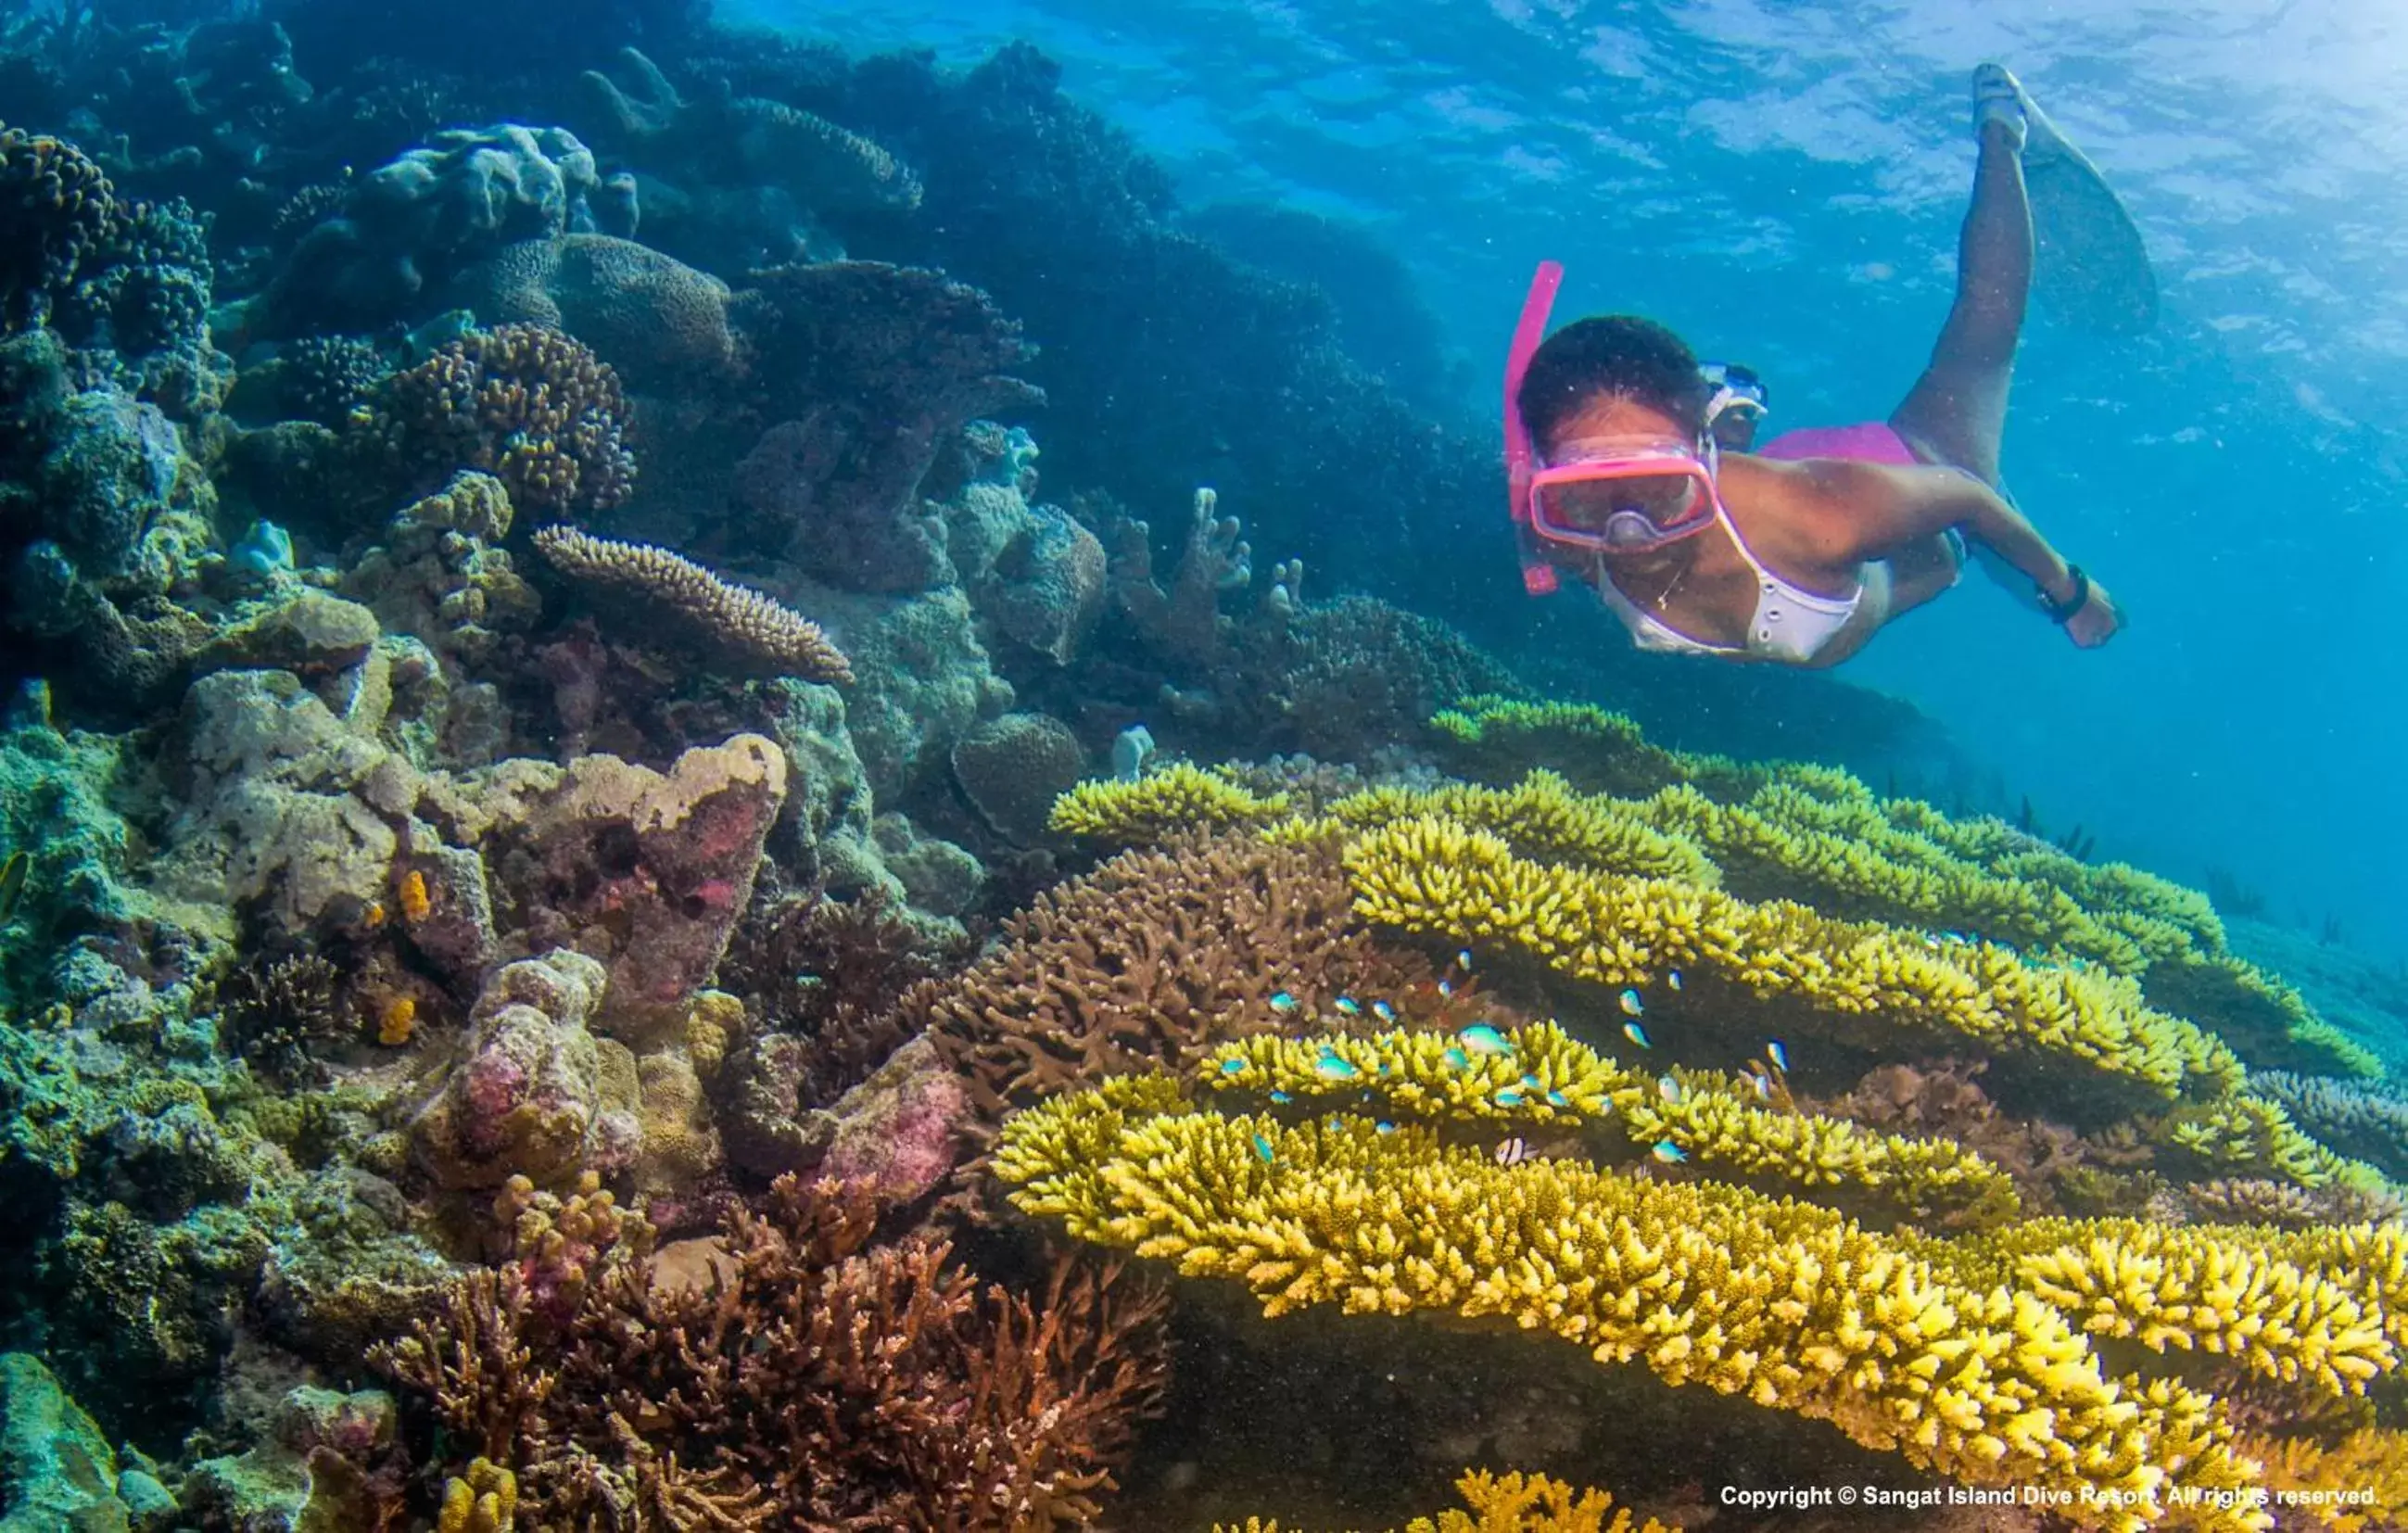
x: 1615, y: 353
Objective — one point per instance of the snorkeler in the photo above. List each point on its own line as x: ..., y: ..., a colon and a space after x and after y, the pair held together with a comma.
x: 1798, y: 552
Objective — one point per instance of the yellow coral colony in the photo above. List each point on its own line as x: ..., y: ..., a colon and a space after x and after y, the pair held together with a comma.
x: 1511, y: 1503
x: 1436, y: 876
x: 1788, y: 1304
x: 1541, y: 1076
x: 1159, y: 805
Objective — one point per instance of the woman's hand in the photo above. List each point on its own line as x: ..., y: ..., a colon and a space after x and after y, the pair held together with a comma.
x: 2096, y: 621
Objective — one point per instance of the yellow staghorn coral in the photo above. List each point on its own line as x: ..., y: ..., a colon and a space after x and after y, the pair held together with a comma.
x: 1436, y: 876
x: 1792, y: 1306
x: 2246, y: 1135
x: 1539, y: 1076
x: 1160, y: 805
x: 2326, y: 1306
x: 1601, y: 750
x: 1511, y: 1503
x: 1543, y: 816
x: 2358, y: 1484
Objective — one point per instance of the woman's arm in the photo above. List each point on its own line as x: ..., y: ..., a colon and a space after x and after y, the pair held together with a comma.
x: 1864, y: 511
x: 1872, y: 511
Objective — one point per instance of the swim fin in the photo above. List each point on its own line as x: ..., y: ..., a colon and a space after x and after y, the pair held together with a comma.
x: 2091, y: 269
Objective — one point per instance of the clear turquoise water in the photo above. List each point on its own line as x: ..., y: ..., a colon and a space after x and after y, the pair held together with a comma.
x: 1782, y: 183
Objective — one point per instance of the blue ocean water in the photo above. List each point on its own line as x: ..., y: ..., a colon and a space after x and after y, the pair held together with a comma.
x: 1782, y: 183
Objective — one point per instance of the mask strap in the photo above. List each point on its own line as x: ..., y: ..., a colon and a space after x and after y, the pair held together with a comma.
x: 1521, y: 455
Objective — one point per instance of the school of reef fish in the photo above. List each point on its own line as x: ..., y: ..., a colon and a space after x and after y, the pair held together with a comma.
x: 609, y: 920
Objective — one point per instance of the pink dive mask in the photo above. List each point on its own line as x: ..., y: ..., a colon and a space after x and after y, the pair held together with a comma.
x: 1617, y: 500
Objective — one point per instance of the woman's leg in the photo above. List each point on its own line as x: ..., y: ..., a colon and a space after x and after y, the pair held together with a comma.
x: 1957, y: 409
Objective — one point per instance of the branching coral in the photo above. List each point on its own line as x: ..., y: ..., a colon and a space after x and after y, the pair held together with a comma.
x: 731, y: 619
x: 531, y: 407
x: 815, y: 1378
x: 1792, y: 1306
x: 1542, y: 816
x: 1539, y: 1077
x: 1160, y: 805
x: 2371, y: 1118
x: 1150, y: 960
x: 1512, y: 1503
x: 1436, y: 876
x: 1600, y: 752
x: 2321, y: 1308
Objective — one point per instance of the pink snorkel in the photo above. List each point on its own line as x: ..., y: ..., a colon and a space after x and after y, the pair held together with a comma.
x: 1522, y: 455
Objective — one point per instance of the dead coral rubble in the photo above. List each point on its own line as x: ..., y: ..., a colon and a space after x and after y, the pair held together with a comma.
x: 790, y: 1374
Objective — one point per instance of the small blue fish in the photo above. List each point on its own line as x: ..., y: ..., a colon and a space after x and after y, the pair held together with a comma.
x: 1463, y: 959
x: 1778, y: 1053
x: 1446, y: 987
x: 1282, y: 1096
x: 1282, y: 1003
x: 1263, y: 1148
x: 1233, y: 1067
x: 1349, y: 1005
x: 1669, y: 1153
x: 1384, y: 1127
x: 1481, y: 1039
x: 1531, y: 1082
x: 1636, y: 1034
x: 1555, y: 1098
x: 1336, y: 1122
x: 1509, y: 1098
x: 1383, y: 1010
x: 1669, y: 1089
x: 1331, y: 1067
x: 1458, y: 1059
x: 1763, y: 1084
x: 1632, y: 1005
x: 1673, y: 978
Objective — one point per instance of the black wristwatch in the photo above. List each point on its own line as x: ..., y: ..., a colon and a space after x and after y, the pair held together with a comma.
x: 2062, y: 611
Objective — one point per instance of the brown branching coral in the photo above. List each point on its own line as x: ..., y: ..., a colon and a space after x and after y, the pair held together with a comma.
x: 817, y: 1381
x: 530, y: 406
x: 827, y: 973
x: 1149, y: 960
x: 57, y: 212
x: 731, y: 619
x: 278, y: 1012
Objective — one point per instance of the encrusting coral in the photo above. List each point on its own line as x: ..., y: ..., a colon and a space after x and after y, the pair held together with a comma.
x: 1510, y: 1503
x: 792, y: 1372
x: 730, y: 619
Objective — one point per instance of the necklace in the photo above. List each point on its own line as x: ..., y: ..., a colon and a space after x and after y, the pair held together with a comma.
x: 1674, y: 584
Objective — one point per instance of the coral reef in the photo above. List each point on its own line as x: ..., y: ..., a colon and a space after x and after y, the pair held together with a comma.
x: 1514, y: 1503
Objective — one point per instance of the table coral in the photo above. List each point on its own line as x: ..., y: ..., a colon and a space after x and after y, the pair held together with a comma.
x: 1436, y: 876
x: 1159, y: 805
x: 730, y: 619
x: 1794, y: 1307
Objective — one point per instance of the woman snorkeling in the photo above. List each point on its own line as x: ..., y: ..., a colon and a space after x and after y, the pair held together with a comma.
x: 1798, y: 552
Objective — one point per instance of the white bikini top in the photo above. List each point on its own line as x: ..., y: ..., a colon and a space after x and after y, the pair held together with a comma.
x: 1789, y: 624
